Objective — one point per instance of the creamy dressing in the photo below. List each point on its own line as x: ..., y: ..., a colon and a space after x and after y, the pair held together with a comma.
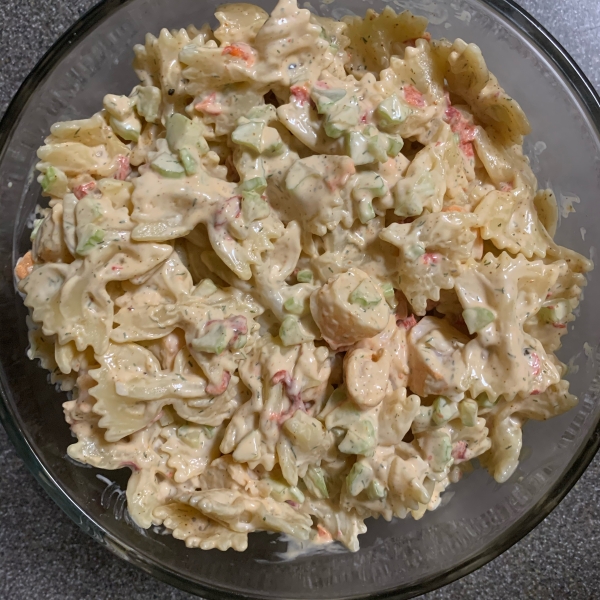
x: 292, y: 284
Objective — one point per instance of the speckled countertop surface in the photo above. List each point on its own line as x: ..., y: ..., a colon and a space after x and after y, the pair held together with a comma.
x: 43, y: 555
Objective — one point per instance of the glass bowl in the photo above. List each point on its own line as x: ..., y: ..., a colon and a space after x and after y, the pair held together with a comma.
x: 399, y: 559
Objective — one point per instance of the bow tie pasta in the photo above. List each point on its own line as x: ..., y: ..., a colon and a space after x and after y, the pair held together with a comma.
x: 301, y: 276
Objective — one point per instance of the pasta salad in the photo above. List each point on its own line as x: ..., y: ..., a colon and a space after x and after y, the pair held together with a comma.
x: 300, y: 276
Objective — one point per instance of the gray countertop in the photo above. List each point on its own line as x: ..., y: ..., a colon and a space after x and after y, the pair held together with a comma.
x: 44, y: 555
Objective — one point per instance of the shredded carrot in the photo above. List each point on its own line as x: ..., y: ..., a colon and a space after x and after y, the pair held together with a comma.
x: 24, y: 266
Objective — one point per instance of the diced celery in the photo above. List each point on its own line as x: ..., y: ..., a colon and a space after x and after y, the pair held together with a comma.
x: 315, y: 483
x: 190, y: 164
x: 205, y: 288
x: 344, y: 415
x: 342, y: 117
x: 377, y: 144
x: 148, y: 102
x: 392, y: 111
x: 239, y: 342
x: 337, y: 397
x: 423, y: 419
x: 249, y: 448
x: 483, y: 401
x: 249, y: 135
x: 326, y: 98
x: 388, y: 290
x: 209, y: 431
x: 357, y: 148
x: 413, y: 252
x: 214, y: 341
x: 254, y: 207
x: 49, y: 178
x: 256, y: 184
x: 389, y: 294
x: 128, y: 130
x: 304, y: 431
x: 297, y: 494
x: 366, y: 212
x: 369, y: 184
x: 36, y: 226
x: 409, y: 203
x: 89, y: 238
x: 556, y: 313
x: 468, y: 412
x: 287, y: 460
x: 191, y: 435
x: 304, y: 276
x: 437, y: 445
x: 294, y: 306
x: 395, y: 145
x: 477, y: 318
x: 359, y: 478
x: 365, y: 295
x: 360, y: 439
x: 443, y: 410
x: 185, y: 133
x: 271, y: 142
x: 376, y: 490
x: 265, y: 113
x: 291, y: 333
x: 167, y: 166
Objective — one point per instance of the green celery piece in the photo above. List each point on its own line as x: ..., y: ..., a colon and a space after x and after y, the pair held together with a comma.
x: 315, y: 483
x: 357, y: 148
x: 240, y: 342
x: 49, y: 178
x: 342, y: 117
x: 423, y: 419
x: 366, y: 212
x: 129, y: 131
x: 443, y: 410
x: 304, y: 276
x: 359, y: 478
x: 205, y: 288
x: 294, y: 307
x: 413, y: 252
x: 214, y: 341
x: 249, y: 135
x: 191, y: 435
x: 168, y: 166
x: 376, y: 490
x: 185, y: 133
x: 256, y: 184
x: 254, y: 207
x: 190, y: 164
x: 291, y: 334
x: 91, y: 236
x: 467, y: 409
x: 395, y: 145
x: 483, y: 401
x: 148, y: 102
x: 365, y: 295
x: 36, y: 227
x: 392, y: 111
x: 477, y: 318
x: 360, y: 439
x: 555, y: 313
x: 326, y: 98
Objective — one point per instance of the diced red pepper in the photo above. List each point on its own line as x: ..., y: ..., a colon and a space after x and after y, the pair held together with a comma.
x: 241, y: 50
x: 413, y: 96
x: 459, y: 450
x: 84, y: 189
x: 123, y: 168
x: 209, y: 105
x: 407, y: 323
x: 430, y: 258
x: 300, y: 94
x: 536, y: 366
x: 216, y: 390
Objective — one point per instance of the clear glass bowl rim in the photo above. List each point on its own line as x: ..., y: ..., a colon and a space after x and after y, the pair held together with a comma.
x: 589, y: 99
